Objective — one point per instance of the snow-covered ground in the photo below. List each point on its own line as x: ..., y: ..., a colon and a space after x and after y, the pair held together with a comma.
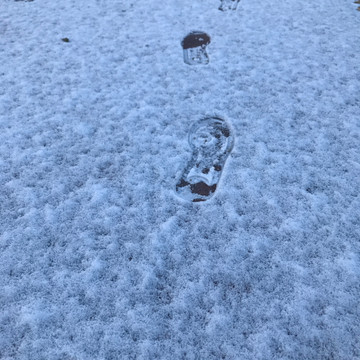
x: 100, y: 259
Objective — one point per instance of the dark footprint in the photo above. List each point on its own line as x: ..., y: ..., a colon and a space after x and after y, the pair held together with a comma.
x: 211, y: 141
x: 194, y: 48
x: 228, y: 5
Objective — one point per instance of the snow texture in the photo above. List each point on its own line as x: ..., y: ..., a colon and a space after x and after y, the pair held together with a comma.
x: 100, y: 259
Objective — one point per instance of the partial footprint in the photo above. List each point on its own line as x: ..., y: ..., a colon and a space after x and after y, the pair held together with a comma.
x: 211, y: 141
x: 194, y: 48
x: 228, y: 5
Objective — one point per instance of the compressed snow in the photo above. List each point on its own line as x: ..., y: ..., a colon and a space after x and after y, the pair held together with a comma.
x: 100, y: 259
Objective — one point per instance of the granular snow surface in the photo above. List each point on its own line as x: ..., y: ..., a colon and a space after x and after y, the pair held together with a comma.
x: 99, y: 257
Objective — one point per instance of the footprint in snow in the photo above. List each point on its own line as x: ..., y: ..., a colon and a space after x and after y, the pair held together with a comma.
x: 228, y: 5
x: 211, y: 141
x: 194, y: 48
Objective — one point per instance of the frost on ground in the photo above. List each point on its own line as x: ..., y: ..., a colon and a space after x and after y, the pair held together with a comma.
x: 100, y: 259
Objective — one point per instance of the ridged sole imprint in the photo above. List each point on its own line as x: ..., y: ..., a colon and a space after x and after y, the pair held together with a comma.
x: 211, y: 141
x: 228, y: 5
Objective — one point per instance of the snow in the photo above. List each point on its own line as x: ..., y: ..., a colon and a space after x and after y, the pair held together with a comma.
x: 100, y: 259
